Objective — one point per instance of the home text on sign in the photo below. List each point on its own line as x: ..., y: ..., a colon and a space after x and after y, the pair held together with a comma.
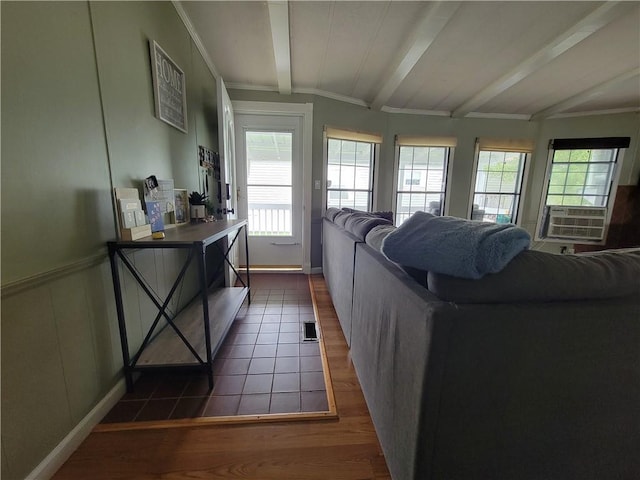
x: 170, y: 89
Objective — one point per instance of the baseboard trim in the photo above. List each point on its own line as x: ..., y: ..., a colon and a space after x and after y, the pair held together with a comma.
x: 52, y: 462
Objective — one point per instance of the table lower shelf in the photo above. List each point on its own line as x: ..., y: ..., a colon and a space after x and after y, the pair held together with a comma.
x: 168, y: 349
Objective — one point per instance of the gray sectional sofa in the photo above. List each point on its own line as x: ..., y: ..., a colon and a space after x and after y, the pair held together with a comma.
x: 529, y: 373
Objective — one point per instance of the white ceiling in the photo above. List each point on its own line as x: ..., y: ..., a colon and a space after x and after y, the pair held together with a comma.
x: 515, y: 59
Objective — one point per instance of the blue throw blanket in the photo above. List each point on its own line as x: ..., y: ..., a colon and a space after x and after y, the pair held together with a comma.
x: 454, y: 246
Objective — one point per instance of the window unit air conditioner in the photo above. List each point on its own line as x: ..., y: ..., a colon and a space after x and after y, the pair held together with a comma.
x: 577, y: 223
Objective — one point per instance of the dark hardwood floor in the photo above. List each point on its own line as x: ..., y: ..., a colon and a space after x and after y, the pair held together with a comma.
x: 343, y: 448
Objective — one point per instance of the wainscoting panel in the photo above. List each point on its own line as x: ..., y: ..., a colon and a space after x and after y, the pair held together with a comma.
x: 73, y: 356
x: 76, y: 343
x: 35, y: 404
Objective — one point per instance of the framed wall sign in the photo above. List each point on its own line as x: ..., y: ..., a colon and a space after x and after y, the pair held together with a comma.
x: 169, y: 88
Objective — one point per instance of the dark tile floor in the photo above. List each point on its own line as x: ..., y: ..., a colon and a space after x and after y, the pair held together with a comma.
x: 264, y: 365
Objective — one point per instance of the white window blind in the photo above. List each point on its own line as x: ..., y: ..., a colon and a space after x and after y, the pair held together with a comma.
x: 505, y: 145
x: 426, y: 141
x: 352, y: 135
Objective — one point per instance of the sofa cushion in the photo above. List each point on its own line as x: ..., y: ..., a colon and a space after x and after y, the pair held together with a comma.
x: 377, y: 234
x: 331, y: 213
x: 341, y: 217
x: 543, y: 277
x: 387, y: 215
x: 360, y: 225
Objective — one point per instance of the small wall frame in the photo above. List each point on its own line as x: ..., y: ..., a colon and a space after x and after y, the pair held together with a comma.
x: 181, y: 206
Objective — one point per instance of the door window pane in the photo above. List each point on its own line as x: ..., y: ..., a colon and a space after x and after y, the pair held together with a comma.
x: 269, y: 182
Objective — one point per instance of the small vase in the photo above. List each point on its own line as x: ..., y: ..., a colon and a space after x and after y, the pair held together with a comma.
x: 198, y: 212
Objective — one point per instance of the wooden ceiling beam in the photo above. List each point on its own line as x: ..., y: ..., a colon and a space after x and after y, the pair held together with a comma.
x: 586, y: 95
x: 279, y: 19
x: 433, y: 20
x: 586, y: 27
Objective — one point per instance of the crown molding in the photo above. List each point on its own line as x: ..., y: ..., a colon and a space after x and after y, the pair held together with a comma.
x: 499, y: 116
x: 195, y: 37
x: 412, y: 111
x: 432, y: 113
x: 612, y: 111
x: 333, y: 96
x: 247, y: 86
x: 302, y: 91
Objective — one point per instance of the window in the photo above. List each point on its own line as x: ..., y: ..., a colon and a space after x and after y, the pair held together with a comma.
x: 581, y: 177
x: 581, y: 173
x: 422, y: 166
x: 350, y: 160
x: 499, y: 177
x: 269, y: 182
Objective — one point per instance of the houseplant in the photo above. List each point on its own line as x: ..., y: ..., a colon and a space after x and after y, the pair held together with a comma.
x: 198, y: 201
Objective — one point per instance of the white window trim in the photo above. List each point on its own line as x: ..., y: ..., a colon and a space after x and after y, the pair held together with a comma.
x: 305, y: 110
x: 396, y: 168
x: 523, y: 186
x: 615, y: 178
x: 325, y: 166
x: 376, y: 177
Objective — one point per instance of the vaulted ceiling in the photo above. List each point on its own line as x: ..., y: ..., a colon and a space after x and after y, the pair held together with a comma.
x: 516, y: 59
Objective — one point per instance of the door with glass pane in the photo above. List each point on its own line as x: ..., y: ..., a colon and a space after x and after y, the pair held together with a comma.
x: 269, y: 169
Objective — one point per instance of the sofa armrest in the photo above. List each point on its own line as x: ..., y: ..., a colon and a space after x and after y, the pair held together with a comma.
x: 338, y: 252
x: 398, y: 345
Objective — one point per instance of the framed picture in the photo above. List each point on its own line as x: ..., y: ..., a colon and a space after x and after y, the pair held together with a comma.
x: 169, y: 88
x: 181, y: 206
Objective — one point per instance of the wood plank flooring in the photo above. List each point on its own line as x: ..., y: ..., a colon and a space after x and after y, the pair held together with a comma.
x: 342, y: 449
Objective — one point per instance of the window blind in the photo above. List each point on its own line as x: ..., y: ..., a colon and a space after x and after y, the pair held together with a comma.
x: 589, y: 143
x: 426, y: 141
x: 505, y: 144
x: 353, y: 135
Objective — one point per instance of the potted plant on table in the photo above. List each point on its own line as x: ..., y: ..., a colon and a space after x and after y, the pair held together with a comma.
x: 198, y: 202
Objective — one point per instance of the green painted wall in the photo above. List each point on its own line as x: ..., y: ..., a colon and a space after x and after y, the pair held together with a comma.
x: 78, y: 119
x: 142, y: 145
x: 55, y: 185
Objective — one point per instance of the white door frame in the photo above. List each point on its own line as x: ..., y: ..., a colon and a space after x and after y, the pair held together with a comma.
x: 304, y: 110
x: 227, y: 147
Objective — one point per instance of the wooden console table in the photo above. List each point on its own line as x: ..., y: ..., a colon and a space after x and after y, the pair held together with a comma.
x: 189, y: 339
